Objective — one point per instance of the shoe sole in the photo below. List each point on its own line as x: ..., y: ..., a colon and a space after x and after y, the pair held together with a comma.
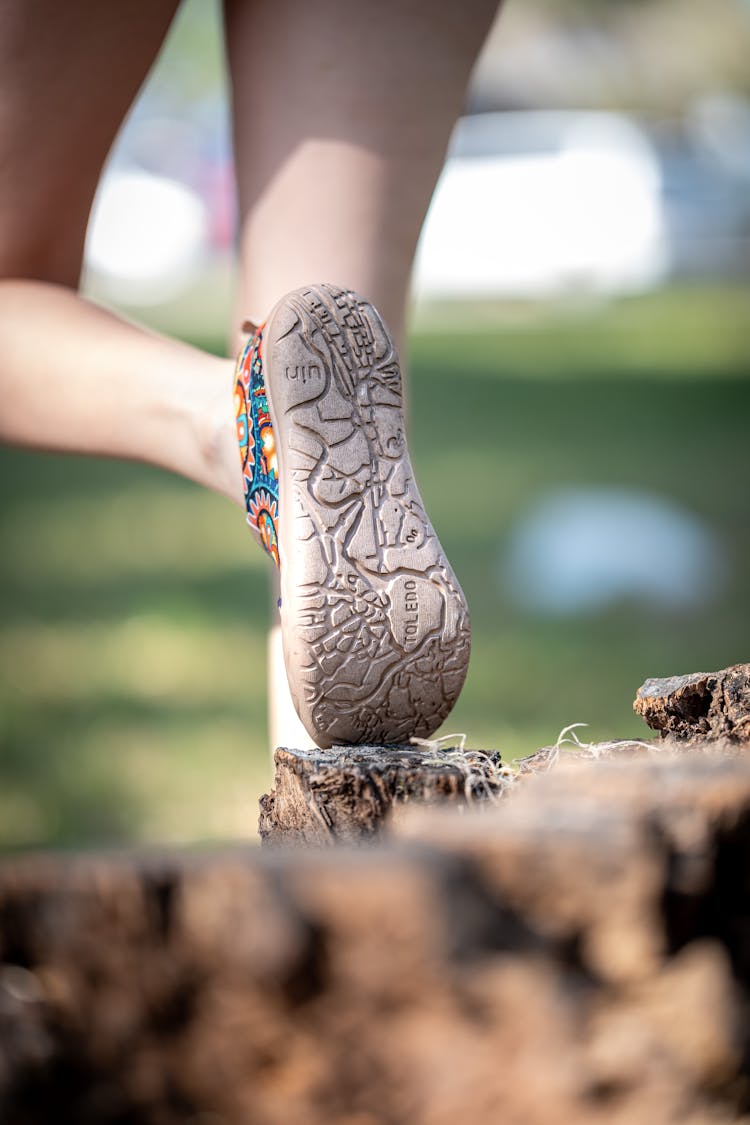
x: 375, y: 626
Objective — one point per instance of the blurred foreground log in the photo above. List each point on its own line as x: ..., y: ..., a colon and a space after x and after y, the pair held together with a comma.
x: 576, y: 955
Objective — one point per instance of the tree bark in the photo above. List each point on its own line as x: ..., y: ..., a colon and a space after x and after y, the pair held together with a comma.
x: 704, y: 706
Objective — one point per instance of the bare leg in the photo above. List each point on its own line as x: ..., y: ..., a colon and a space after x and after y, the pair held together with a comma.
x: 343, y: 113
x: 73, y: 377
x: 68, y: 74
x: 76, y: 379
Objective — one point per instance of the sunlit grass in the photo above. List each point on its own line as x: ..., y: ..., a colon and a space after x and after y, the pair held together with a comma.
x: 140, y: 727
x: 188, y: 532
x: 135, y: 606
x: 679, y: 333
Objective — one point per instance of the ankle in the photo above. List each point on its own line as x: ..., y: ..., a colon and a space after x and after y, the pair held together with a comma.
x: 217, y: 436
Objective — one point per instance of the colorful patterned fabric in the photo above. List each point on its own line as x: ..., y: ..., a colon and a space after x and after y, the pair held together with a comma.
x: 257, y: 445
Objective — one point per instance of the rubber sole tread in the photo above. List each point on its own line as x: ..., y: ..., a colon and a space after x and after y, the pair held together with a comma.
x: 374, y: 623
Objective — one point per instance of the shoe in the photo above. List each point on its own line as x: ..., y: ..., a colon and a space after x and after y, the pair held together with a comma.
x: 375, y: 626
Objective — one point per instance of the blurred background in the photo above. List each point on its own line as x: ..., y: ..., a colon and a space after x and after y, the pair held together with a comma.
x: 580, y: 354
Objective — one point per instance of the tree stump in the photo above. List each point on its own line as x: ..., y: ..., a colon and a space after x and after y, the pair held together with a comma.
x: 349, y: 794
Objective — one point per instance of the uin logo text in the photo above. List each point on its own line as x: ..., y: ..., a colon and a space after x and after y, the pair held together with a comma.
x: 303, y: 373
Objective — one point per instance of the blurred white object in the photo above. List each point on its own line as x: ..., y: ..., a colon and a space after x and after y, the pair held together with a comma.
x: 147, y: 237
x: 537, y: 204
x: 580, y: 550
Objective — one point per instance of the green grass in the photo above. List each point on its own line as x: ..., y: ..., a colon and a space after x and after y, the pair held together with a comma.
x: 134, y: 606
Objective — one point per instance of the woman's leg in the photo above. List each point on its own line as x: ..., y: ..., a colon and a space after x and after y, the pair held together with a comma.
x: 68, y: 74
x: 342, y: 116
x: 72, y: 376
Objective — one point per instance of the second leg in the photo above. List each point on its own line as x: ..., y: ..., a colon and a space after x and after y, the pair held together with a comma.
x: 342, y: 118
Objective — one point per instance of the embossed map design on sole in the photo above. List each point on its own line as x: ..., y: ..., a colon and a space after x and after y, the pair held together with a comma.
x: 375, y: 626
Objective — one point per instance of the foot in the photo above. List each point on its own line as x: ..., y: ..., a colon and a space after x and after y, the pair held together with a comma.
x: 375, y: 626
